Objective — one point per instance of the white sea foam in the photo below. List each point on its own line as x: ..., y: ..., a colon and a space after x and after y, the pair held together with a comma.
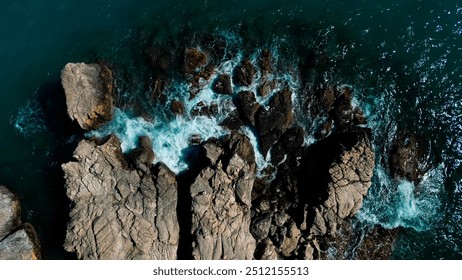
x: 169, y: 139
x: 395, y: 204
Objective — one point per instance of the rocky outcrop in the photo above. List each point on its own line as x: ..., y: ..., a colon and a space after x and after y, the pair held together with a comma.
x: 88, y: 89
x: 349, y: 178
x: 244, y: 73
x: 10, y: 212
x: 247, y: 106
x: 314, y: 191
x: 17, y: 241
x: 198, y: 69
x: 121, y: 209
x: 271, y: 123
x: 221, y: 200
x: 223, y: 84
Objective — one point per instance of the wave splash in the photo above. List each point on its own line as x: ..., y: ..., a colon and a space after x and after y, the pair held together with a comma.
x: 394, y: 204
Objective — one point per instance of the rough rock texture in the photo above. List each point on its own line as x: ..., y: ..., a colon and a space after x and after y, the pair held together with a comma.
x: 198, y: 69
x: 221, y: 201
x: 120, y: 211
x: 369, y: 243
x: 271, y: 123
x: 194, y: 60
x: 22, y: 244
x: 88, y: 89
x: 177, y: 107
x: 17, y: 241
x: 202, y: 109
x: 10, y: 212
x: 349, y: 178
x: 244, y: 73
x: 223, y: 84
x: 247, y: 106
x: 314, y: 190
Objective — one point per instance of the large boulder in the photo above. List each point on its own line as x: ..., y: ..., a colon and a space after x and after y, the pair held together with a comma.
x: 223, y: 84
x: 347, y: 182
x: 247, y: 106
x: 273, y: 122
x: 22, y: 244
x: 10, y: 212
x: 244, y: 73
x: 120, y: 211
x: 17, y: 241
x: 221, y: 200
x: 198, y: 69
x: 89, y: 97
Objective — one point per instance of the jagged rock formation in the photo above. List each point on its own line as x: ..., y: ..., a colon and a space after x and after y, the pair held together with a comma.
x: 125, y: 208
x: 88, y: 89
x: 121, y: 210
x: 17, y: 241
x: 223, y: 84
x: 221, y: 200
x: 349, y: 178
x: 244, y: 73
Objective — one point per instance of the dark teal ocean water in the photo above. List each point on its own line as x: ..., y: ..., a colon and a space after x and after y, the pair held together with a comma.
x: 402, y: 57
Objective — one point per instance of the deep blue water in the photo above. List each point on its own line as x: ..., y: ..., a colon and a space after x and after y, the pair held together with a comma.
x: 403, y: 58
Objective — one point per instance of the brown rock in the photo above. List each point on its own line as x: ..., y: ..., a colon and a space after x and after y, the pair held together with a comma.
x: 271, y: 123
x: 17, y: 241
x: 177, y: 107
x: 247, y: 106
x: 244, y: 73
x: 202, y: 109
x: 88, y: 89
x: 266, y: 62
x: 349, y: 179
x: 194, y: 60
x: 223, y: 84
x: 266, y: 87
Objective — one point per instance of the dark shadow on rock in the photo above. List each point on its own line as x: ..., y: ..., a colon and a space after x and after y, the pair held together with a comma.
x: 193, y: 156
x: 52, y: 100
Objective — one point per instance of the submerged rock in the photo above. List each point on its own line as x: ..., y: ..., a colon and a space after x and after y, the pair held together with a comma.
x: 407, y: 158
x: 17, y: 241
x: 221, y: 201
x: 88, y: 89
x: 120, y: 212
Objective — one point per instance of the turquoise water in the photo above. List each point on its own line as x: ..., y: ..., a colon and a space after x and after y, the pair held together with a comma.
x: 403, y: 58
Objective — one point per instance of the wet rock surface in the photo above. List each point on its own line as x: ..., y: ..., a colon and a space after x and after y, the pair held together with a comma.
x: 244, y: 73
x: 271, y: 123
x: 223, y: 84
